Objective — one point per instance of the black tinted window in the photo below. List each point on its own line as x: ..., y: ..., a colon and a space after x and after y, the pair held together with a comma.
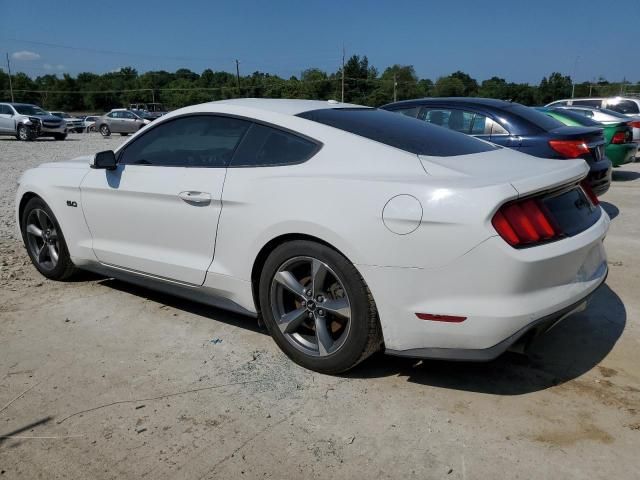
x: 265, y: 146
x: 399, y: 131
x: 533, y: 116
x: 195, y: 141
x: 587, y: 103
x: 623, y: 106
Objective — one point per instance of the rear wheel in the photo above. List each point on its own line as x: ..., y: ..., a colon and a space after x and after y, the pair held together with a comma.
x: 124, y: 134
x: 44, y: 241
x: 104, y: 130
x: 60, y: 136
x: 318, y: 308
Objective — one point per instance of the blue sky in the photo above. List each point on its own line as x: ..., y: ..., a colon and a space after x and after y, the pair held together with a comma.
x: 520, y: 41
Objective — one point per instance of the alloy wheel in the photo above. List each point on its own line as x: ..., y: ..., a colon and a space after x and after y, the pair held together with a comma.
x: 42, y: 239
x: 311, y: 306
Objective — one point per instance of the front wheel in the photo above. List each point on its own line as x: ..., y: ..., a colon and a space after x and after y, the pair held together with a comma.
x: 44, y: 241
x: 60, y: 136
x: 318, y: 308
x: 25, y: 133
x: 104, y: 131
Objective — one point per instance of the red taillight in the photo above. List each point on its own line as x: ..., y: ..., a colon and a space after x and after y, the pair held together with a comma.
x: 525, y: 223
x: 589, y: 191
x: 619, y: 137
x: 569, y: 148
x: 635, y: 124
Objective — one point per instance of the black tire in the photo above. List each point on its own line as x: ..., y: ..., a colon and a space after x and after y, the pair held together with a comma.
x: 25, y: 133
x: 361, y: 339
x: 60, y: 136
x: 124, y: 134
x: 63, y: 267
x: 105, y: 131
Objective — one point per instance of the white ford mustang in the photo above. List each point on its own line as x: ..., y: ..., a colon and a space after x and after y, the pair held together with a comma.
x: 347, y: 229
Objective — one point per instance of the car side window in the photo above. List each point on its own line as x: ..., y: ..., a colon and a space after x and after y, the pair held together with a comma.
x: 458, y: 120
x: 587, y: 103
x: 624, y: 106
x: 127, y: 115
x: 193, y: 141
x: 409, y: 112
x: 4, y: 110
x: 265, y: 146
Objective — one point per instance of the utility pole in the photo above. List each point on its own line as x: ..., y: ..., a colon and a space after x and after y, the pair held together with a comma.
x: 573, y: 80
x: 395, y: 86
x: 342, y: 100
x: 238, y: 75
x: 10, y: 84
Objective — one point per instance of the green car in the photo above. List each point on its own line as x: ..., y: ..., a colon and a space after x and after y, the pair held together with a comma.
x: 620, y: 148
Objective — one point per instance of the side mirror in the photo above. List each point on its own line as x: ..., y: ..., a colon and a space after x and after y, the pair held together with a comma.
x: 104, y: 160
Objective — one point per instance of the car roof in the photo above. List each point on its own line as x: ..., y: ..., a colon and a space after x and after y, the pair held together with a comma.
x: 284, y: 106
x: 486, y: 102
x: 18, y: 104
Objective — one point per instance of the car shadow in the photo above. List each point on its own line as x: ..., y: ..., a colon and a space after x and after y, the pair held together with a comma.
x: 200, y: 309
x: 611, y: 209
x: 569, y: 350
x: 624, y: 175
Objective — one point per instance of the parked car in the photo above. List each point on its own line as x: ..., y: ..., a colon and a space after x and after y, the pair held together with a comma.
x: 154, y: 110
x: 625, y: 105
x: 348, y: 229
x: 604, y: 115
x: 28, y: 122
x: 90, y: 123
x: 515, y: 126
x: 120, y: 120
x: 620, y: 147
x: 74, y: 124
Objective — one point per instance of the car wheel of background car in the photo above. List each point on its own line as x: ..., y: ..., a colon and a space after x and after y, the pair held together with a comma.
x: 25, y: 133
x: 44, y: 240
x: 124, y: 134
x: 60, y: 136
x: 318, y: 308
x: 104, y: 130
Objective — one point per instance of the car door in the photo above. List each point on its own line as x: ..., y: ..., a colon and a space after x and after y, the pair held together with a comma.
x: 129, y: 124
x: 7, y: 123
x: 157, y: 212
x: 112, y: 121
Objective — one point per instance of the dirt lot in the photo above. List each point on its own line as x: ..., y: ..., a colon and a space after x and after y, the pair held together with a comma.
x: 99, y: 379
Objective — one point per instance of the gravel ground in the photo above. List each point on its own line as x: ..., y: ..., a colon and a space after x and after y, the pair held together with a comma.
x: 99, y: 379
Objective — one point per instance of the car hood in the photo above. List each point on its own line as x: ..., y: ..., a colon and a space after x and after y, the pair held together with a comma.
x: 78, y: 162
x: 47, y: 118
x: 527, y: 174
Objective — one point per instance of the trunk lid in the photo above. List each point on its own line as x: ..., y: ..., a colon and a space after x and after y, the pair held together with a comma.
x: 527, y: 174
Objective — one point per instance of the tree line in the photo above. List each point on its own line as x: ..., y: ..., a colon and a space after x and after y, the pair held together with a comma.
x: 363, y: 84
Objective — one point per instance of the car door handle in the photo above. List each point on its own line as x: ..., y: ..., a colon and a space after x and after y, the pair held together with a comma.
x: 195, y: 198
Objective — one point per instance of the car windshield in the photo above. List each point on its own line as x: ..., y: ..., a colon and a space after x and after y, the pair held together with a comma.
x: 29, y: 110
x: 399, y: 131
x: 140, y: 113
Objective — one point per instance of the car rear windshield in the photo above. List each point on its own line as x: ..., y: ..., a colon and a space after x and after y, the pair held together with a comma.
x: 576, y: 117
x: 399, y: 131
x: 531, y: 115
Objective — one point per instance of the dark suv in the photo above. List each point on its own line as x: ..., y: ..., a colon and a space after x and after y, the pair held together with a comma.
x: 515, y: 126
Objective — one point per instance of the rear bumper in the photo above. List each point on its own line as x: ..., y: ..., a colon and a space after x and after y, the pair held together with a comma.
x: 599, y: 176
x: 501, y: 292
x: 622, y: 153
x: 534, y: 329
